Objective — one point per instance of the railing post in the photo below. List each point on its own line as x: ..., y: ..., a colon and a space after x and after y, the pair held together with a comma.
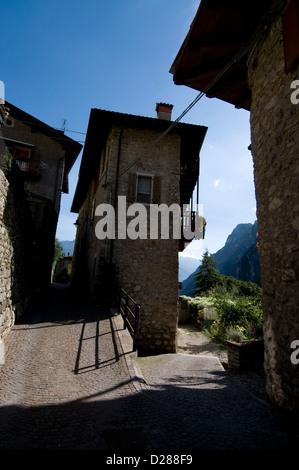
x: 126, y: 311
x: 129, y: 315
x: 119, y: 300
x: 137, y: 308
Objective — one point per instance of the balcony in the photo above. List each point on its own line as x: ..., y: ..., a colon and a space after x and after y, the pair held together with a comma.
x: 189, y: 173
x: 31, y: 168
x: 193, y: 227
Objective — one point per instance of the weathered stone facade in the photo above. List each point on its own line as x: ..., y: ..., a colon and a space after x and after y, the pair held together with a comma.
x: 44, y: 157
x: 149, y: 268
x: 15, y: 262
x: 34, y: 163
x: 256, y: 68
x: 275, y: 144
x: 146, y: 268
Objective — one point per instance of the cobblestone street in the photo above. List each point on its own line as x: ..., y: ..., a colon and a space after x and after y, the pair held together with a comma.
x: 66, y: 385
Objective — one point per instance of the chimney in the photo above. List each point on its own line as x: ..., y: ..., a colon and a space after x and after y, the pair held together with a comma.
x: 164, y: 111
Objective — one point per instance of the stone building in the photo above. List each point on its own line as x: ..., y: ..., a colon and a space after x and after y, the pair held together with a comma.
x: 34, y: 163
x: 247, y: 53
x: 44, y: 157
x: 125, y: 161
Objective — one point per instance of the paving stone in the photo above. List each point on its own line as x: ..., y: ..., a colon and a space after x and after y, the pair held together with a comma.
x: 71, y: 382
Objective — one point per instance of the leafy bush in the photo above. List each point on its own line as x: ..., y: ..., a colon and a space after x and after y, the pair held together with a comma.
x: 235, y: 334
x: 218, y: 330
x: 196, y: 306
x: 238, y: 303
x: 237, y: 288
x: 242, y: 314
x: 198, y: 302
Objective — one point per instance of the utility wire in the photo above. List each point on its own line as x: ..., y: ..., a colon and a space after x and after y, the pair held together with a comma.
x: 237, y: 57
x: 258, y: 33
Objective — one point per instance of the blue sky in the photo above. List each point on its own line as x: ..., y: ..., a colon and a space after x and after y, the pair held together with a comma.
x: 62, y: 58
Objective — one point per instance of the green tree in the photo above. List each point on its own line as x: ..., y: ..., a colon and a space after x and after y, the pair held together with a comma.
x: 208, y: 276
x: 58, y: 251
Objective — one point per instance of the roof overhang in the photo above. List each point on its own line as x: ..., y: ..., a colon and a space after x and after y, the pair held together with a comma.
x: 99, y: 126
x: 218, y: 32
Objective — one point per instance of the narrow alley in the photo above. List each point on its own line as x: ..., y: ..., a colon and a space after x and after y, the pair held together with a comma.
x: 65, y: 384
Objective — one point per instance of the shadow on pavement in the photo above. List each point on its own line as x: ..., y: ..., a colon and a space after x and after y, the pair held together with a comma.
x: 188, y: 413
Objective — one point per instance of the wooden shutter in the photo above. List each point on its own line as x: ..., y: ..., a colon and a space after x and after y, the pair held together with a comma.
x: 157, y: 190
x: 132, y: 188
x: 290, y: 23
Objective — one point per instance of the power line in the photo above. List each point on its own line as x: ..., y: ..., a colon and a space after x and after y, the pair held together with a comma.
x: 240, y: 54
x: 252, y: 42
x: 65, y: 138
x: 259, y: 32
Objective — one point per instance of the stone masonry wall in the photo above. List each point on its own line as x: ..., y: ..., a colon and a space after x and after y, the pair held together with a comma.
x: 146, y: 269
x: 275, y: 146
x: 6, y: 310
x: 14, y: 249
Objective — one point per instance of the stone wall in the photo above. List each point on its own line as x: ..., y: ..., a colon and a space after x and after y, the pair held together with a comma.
x: 275, y: 144
x: 148, y: 269
x: 14, y: 251
x: 245, y: 355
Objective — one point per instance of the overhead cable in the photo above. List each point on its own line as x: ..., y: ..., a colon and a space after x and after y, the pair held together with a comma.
x: 259, y: 32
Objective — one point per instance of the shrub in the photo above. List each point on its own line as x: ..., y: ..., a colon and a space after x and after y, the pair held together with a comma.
x: 242, y: 314
x: 235, y: 333
x: 198, y: 303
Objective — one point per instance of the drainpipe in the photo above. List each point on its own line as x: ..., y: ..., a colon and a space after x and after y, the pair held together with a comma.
x: 116, y: 188
x: 58, y: 184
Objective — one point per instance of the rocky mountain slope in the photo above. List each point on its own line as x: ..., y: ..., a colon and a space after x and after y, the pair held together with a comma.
x: 238, y: 258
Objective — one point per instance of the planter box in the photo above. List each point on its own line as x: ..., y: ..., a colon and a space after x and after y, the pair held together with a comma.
x: 245, y: 355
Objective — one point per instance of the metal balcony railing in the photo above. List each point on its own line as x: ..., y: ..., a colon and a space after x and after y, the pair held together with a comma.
x: 192, y: 226
x: 129, y: 310
x: 31, y: 167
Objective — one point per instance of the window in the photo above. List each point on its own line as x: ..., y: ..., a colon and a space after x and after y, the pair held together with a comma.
x: 144, y: 189
x: 21, y: 153
x: 9, y: 122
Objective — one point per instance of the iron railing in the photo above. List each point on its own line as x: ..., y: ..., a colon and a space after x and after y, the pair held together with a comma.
x: 129, y: 310
x: 31, y: 167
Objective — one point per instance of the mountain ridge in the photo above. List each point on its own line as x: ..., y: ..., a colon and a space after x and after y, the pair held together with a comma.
x: 67, y: 246
x: 238, y: 258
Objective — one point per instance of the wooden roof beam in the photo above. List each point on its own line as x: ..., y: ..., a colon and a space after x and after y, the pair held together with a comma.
x: 235, y: 39
x: 196, y: 73
x: 233, y: 79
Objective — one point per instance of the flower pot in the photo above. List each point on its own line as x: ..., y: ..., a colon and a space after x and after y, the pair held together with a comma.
x: 246, y: 354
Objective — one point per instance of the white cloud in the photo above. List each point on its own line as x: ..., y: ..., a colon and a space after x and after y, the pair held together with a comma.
x: 216, y: 183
